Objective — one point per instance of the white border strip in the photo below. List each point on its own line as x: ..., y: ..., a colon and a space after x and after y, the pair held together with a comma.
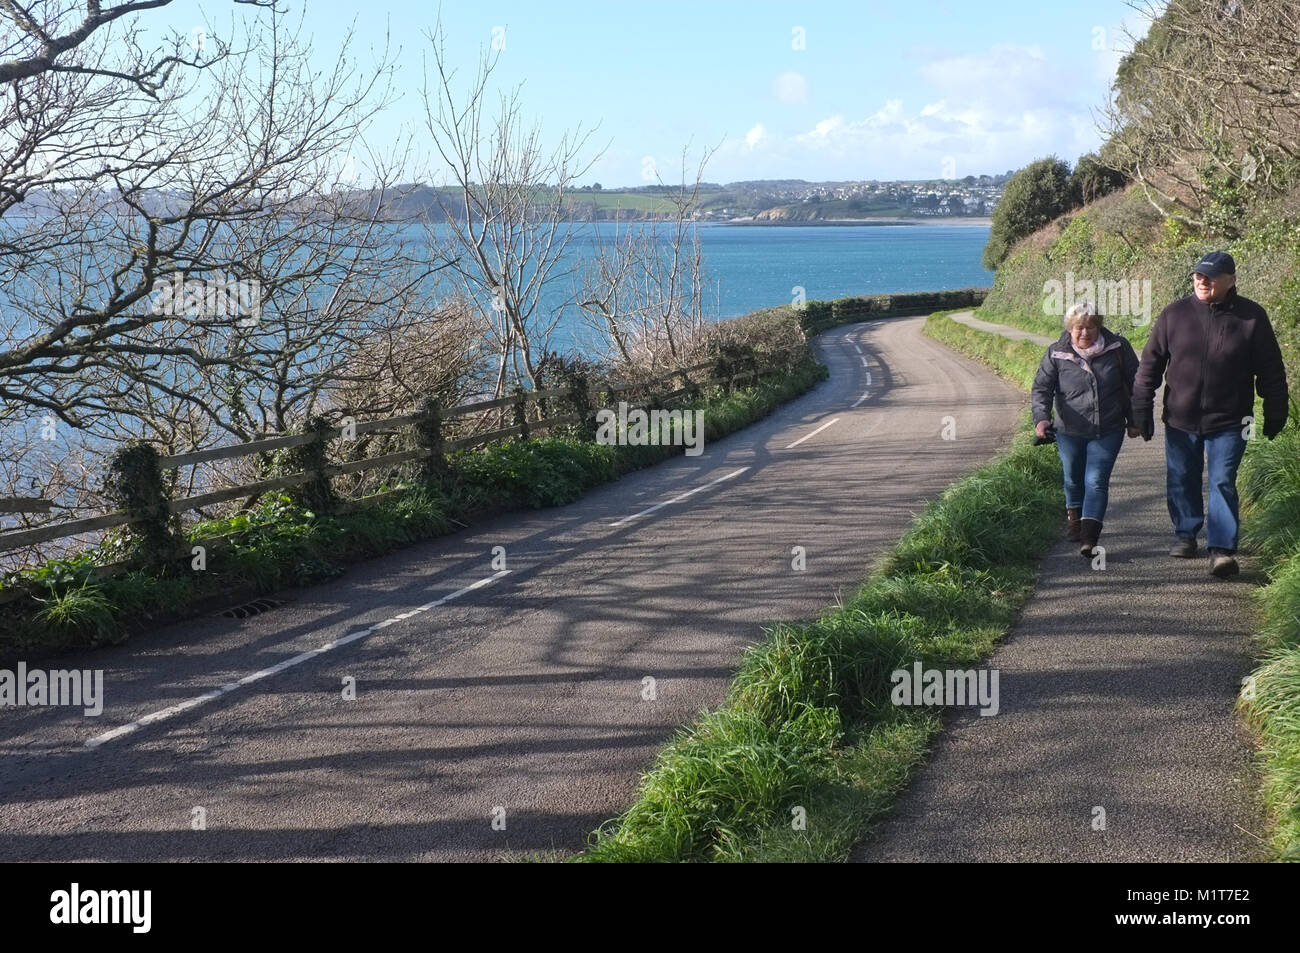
x: 679, y: 498
x: 813, y: 434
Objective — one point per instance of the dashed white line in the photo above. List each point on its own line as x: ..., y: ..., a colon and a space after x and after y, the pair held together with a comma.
x: 813, y: 434
x: 165, y: 713
x: 680, y: 497
x: 864, y: 396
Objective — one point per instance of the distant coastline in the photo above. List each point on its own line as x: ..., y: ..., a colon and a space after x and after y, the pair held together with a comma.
x: 935, y: 220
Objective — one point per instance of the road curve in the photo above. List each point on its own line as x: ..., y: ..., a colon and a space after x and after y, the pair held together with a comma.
x: 499, y: 712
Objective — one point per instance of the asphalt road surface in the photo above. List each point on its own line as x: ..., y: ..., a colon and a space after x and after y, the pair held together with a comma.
x: 498, y: 712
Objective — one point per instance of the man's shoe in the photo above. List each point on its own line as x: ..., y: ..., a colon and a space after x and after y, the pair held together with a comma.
x: 1223, y: 564
x: 1072, y: 524
x: 1185, y: 548
x: 1089, y: 533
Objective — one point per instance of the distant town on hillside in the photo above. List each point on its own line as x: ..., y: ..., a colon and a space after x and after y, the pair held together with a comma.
x: 795, y: 200
x: 760, y: 202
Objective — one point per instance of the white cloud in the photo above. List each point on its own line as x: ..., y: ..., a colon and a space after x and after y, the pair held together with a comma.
x: 791, y: 88
x: 987, y: 112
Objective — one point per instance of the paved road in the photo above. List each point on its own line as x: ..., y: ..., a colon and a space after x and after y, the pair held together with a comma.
x: 478, y: 689
x: 1117, y: 689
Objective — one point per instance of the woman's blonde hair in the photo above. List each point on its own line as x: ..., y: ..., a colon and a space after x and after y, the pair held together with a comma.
x: 1085, y: 312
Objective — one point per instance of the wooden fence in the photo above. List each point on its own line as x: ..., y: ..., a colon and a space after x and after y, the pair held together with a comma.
x: 20, y: 538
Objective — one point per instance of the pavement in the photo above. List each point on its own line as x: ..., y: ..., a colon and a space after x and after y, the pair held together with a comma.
x: 1115, y: 738
x: 449, y: 702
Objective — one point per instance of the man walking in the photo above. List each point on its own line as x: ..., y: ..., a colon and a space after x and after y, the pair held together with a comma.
x: 1218, y: 347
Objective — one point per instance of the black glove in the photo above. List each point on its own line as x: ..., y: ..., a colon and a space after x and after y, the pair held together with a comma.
x: 1144, y: 423
x: 1274, y: 427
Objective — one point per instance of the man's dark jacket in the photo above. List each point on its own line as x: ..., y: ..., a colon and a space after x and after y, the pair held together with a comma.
x: 1215, y: 355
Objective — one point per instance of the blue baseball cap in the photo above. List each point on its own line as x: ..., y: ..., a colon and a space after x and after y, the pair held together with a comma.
x: 1215, y: 263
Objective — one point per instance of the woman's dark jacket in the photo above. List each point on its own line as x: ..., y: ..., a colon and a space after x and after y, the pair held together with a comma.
x: 1090, y: 400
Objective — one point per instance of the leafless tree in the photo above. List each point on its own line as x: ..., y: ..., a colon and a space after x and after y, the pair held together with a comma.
x: 1209, y: 104
x: 130, y: 179
x: 644, y: 293
x: 503, y: 224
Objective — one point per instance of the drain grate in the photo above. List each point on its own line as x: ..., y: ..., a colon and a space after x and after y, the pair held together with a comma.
x: 250, y: 609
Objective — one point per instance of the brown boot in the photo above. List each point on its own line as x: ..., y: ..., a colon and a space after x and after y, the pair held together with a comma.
x: 1089, y: 533
x: 1072, y: 524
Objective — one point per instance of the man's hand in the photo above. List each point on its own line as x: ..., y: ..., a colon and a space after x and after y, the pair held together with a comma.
x: 1143, y: 420
x: 1274, y: 427
x: 1040, y: 428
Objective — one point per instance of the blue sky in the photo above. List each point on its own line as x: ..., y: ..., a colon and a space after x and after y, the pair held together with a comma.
x: 811, y: 90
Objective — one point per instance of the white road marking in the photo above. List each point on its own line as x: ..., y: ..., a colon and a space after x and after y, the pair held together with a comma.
x: 868, y: 378
x: 864, y: 396
x: 680, y: 497
x: 864, y: 362
x: 165, y: 713
x: 813, y: 434
x: 856, y: 348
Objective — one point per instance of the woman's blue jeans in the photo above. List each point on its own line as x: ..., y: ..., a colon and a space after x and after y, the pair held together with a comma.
x: 1087, y: 462
x: 1184, y: 453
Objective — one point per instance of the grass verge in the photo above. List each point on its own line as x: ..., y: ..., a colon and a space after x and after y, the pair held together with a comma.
x: 807, y: 752
x: 1270, y: 700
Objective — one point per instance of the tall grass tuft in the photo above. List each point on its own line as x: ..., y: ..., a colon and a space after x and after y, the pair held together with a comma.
x: 807, y: 729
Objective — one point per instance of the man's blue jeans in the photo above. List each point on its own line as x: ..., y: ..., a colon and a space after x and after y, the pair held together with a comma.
x: 1185, y: 454
x: 1087, y: 462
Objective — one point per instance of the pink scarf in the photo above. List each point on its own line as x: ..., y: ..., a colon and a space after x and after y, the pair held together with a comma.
x: 1089, y: 353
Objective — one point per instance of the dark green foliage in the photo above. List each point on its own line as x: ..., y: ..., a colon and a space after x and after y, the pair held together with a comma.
x: 817, y: 316
x: 428, y: 436
x: 577, y: 374
x: 519, y: 409
x: 1090, y: 180
x: 134, y: 483
x: 312, y: 458
x: 1035, y: 195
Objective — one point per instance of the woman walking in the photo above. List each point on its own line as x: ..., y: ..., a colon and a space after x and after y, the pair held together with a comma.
x: 1088, y: 376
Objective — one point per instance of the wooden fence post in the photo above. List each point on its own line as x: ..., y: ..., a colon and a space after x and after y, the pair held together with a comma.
x: 428, y: 435
x: 317, y: 493
x: 134, y: 482
x: 521, y: 412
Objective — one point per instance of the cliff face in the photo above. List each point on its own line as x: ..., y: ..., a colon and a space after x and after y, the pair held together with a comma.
x: 813, y: 212
x: 788, y: 213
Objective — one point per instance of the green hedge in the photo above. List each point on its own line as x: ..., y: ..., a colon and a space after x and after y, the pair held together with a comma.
x: 817, y: 316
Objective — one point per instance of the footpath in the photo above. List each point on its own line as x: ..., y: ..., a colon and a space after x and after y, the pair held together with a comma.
x: 1115, y: 738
